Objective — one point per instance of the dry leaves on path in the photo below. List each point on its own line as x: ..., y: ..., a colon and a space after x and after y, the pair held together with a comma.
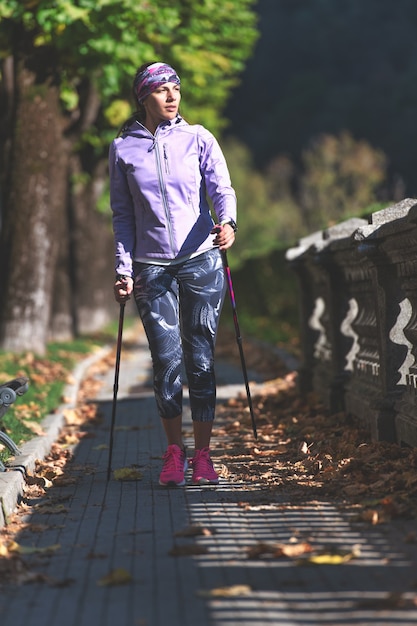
x: 304, y: 453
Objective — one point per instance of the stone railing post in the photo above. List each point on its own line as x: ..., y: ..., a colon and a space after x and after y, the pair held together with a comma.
x: 323, y: 307
x: 300, y: 261
x: 373, y: 388
x: 397, y: 241
x: 358, y: 285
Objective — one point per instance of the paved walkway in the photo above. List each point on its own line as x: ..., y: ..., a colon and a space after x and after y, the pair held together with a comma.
x: 137, y: 527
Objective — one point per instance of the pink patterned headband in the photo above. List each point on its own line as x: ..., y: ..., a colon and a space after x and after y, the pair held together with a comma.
x: 153, y: 77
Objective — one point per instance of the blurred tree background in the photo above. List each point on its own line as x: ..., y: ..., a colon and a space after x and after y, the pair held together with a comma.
x: 313, y: 101
x: 323, y: 127
x: 66, y: 72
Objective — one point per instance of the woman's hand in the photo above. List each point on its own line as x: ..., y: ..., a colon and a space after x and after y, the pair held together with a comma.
x: 123, y: 287
x: 225, y: 236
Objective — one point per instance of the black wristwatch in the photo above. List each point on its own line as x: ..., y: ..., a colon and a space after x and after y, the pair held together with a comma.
x: 121, y: 277
x: 231, y: 223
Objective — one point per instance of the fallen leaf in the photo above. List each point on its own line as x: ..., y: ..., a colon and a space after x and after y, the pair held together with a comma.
x: 12, y: 548
x: 118, y: 576
x: 331, y: 558
x: 51, y: 509
x: 25, y: 550
x: 49, y: 472
x: 70, y: 439
x: 39, y: 481
x: 370, y: 515
x: 303, y: 447
x: 127, y: 473
x: 35, y: 427
x: 72, y: 417
x: 223, y: 471
x: 4, y: 551
x: 233, y: 591
x: 277, y: 550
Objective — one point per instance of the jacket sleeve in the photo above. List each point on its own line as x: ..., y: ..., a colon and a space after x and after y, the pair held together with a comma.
x: 122, y: 213
x: 216, y: 175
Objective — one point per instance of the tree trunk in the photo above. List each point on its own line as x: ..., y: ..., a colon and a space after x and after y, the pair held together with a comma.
x: 62, y: 322
x: 34, y: 209
x: 92, y: 251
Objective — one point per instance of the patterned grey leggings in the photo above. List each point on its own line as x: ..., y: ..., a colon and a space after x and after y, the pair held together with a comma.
x: 180, y: 307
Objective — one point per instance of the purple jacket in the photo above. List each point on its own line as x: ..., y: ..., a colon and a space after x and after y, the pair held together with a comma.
x: 158, y: 191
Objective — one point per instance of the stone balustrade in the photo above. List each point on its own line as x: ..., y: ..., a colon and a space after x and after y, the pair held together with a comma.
x: 358, y: 319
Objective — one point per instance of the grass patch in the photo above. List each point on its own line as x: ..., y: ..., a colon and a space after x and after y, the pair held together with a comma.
x: 48, y: 375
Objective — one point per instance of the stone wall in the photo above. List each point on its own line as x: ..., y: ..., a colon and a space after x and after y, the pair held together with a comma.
x: 358, y: 307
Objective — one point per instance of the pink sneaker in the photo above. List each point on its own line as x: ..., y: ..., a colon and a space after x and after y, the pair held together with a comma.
x: 175, y: 464
x: 203, y: 470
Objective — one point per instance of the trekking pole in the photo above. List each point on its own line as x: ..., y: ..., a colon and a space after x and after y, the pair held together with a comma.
x: 116, y: 385
x: 238, y: 337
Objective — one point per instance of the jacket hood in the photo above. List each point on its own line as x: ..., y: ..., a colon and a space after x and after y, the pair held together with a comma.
x: 137, y: 129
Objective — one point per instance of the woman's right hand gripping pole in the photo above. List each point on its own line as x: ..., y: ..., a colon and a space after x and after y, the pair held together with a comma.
x: 123, y: 288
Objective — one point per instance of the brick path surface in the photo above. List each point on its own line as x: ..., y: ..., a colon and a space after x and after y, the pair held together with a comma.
x: 135, y: 526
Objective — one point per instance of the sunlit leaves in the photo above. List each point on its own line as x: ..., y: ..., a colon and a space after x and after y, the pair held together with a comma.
x: 9, y: 8
x: 61, y: 13
x: 207, y: 43
x: 117, y: 112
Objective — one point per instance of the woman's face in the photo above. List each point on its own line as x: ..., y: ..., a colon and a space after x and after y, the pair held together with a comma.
x: 162, y: 104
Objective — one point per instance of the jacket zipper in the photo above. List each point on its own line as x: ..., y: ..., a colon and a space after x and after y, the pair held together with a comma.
x: 166, y: 159
x: 163, y: 191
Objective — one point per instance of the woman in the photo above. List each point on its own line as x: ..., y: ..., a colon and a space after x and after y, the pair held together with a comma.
x: 168, y: 254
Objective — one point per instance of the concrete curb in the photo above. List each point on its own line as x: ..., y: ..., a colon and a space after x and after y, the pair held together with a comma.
x: 12, y: 481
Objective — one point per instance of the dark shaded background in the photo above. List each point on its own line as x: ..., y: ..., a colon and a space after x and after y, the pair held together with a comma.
x: 327, y: 66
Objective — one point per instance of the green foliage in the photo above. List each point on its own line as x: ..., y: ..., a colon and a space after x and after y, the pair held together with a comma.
x: 266, y: 294
x: 268, y: 216
x: 117, y: 112
x: 341, y: 178
x: 106, y: 40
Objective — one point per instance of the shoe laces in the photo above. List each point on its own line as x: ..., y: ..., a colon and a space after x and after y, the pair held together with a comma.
x: 202, y: 459
x: 173, y: 458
